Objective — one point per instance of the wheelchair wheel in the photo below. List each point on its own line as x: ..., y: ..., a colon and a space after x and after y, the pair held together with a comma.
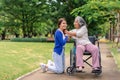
x: 70, y: 70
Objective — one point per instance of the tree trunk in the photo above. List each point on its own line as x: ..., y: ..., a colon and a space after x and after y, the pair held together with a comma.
x: 17, y: 35
x: 3, y: 35
x: 25, y: 32
x: 23, y: 25
x: 30, y: 30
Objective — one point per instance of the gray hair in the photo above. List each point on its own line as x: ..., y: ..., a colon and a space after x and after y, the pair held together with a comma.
x: 81, y: 21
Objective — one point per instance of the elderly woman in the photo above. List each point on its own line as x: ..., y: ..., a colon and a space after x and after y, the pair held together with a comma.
x: 80, y: 33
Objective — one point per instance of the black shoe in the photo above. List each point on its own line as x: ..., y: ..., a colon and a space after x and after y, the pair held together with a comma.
x: 96, y: 71
x: 79, y: 69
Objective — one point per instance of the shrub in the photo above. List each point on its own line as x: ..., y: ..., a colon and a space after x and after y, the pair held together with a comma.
x: 36, y: 40
x: 29, y: 39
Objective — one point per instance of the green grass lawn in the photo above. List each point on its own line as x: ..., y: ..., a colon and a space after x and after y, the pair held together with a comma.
x: 18, y: 58
x: 116, y: 54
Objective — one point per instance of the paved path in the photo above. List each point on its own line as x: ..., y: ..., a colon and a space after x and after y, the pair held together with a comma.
x: 109, y: 70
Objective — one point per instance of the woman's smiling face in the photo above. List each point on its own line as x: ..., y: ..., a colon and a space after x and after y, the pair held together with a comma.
x: 76, y: 24
x: 63, y: 24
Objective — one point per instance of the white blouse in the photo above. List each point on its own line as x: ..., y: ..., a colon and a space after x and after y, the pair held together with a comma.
x: 81, y: 36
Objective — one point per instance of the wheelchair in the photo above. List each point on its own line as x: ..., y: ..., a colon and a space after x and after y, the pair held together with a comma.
x: 72, y: 68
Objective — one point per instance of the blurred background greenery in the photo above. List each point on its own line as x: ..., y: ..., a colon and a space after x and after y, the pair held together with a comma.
x: 36, y: 18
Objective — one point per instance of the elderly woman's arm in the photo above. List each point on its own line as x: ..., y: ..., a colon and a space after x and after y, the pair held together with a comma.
x: 78, y: 33
x: 70, y: 33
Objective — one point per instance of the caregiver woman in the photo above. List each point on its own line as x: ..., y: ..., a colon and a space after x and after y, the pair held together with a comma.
x: 80, y: 33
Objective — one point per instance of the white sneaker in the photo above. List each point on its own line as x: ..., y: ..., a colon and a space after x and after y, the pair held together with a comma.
x: 43, y: 67
x: 50, y: 63
x: 79, y: 69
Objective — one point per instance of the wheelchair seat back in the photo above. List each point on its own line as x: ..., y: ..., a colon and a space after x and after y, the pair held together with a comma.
x: 92, y: 39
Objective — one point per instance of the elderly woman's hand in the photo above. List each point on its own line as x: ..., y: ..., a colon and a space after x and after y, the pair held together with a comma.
x: 70, y: 33
x: 66, y: 32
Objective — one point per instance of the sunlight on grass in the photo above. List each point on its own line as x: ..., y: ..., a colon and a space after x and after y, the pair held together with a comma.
x: 116, y: 54
x: 17, y: 58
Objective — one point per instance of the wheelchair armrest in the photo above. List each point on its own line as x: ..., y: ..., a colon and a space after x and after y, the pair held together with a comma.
x: 97, y: 40
x: 93, y: 40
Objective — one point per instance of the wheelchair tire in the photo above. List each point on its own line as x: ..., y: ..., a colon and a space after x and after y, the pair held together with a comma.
x: 70, y: 70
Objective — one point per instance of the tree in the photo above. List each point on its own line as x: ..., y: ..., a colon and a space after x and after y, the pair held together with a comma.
x: 36, y: 17
x: 26, y: 13
x: 62, y: 8
x: 97, y: 13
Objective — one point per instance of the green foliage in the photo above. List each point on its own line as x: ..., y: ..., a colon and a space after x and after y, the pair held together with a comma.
x: 115, y: 53
x: 37, y: 17
x: 62, y: 8
x: 25, y: 14
x: 97, y: 13
x: 30, y: 18
x: 29, y: 40
x: 36, y: 40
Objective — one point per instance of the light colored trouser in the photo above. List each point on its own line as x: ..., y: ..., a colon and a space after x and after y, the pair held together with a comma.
x: 93, y: 49
x: 59, y: 63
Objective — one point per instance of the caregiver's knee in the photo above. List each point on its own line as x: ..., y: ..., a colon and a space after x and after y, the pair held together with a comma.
x: 60, y: 71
